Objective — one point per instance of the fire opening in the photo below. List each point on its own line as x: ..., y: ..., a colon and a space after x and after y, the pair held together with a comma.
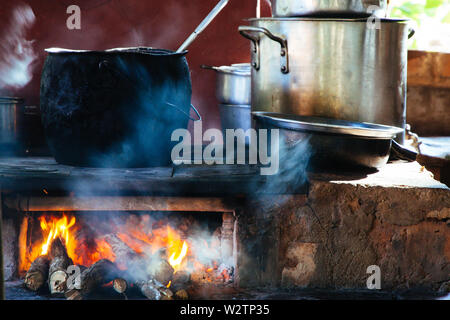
x: 161, y: 246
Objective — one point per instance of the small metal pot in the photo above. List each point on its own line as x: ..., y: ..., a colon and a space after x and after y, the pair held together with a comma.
x: 9, y: 124
x: 298, y: 8
x: 233, y: 85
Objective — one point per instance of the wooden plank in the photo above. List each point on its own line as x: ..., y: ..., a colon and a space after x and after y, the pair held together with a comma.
x: 126, y: 203
x: 35, y: 174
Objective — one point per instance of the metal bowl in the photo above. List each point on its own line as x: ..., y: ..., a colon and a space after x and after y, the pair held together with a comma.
x: 330, y: 126
x: 332, y: 143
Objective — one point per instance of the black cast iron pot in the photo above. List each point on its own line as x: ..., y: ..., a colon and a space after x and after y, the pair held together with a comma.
x: 114, y: 108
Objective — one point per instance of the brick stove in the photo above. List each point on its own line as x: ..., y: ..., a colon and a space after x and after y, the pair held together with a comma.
x: 321, y: 236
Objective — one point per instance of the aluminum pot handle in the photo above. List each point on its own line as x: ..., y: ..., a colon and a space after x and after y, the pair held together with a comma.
x: 204, y: 66
x: 246, y: 31
x: 182, y: 111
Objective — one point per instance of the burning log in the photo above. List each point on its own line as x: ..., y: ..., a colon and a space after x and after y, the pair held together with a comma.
x: 148, y: 290
x: 163, y: 272
x: 120, y: 285
x: 181, y: 295
x: 139, y: 266
x: 58, y: 267
x: 124, y: 254
x: 154, y: 290
x: 180, y: 281
x: 37, y: 274
x: 100, y: 273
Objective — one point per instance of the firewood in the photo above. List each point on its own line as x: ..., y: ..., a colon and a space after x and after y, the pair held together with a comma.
x: 120, y: 285
x: 58, y: 267
x: 154, y: 290
x: 180, y: 280
x: 37, y: 274
x: 101, y: 272
x: 181, y: 294
x: 148, y: 290
x: 163, y: 272
x: 75, y: 280
x: 57, y: 249
x: 58, y: 274
x: 126, y: 256
x: 73, y: 294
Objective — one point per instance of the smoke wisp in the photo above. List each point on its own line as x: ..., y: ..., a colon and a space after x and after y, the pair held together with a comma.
x: 16, y: 53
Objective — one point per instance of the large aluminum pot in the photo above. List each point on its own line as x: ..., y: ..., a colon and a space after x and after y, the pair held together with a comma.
x: 335, y: 68
x: 233, y: 84
x: 297, y: 8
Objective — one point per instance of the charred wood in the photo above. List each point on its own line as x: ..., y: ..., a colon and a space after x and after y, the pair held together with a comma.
x: 37, y: 274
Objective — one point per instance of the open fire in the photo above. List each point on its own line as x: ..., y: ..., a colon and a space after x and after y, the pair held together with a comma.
x: 162, y: 256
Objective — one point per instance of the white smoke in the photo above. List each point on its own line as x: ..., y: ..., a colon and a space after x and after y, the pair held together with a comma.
x: 16, y: 53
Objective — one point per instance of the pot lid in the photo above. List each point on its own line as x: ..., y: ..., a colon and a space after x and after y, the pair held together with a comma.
x: 327, y: 125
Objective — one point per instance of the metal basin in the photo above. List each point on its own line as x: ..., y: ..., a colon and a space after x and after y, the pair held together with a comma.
x: 333, y: 143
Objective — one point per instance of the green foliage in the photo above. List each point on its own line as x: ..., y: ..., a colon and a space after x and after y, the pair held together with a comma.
x: 421, y: 11
x: 418, y: 9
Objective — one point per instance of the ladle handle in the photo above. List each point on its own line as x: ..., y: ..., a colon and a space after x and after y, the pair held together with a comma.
x: 203, y: 25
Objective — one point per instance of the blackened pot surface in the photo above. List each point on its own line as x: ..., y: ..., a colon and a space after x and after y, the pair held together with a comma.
x: 114, y: 108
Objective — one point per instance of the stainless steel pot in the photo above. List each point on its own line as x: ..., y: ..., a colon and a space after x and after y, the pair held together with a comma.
x: 9, y: 124
x: 335, y: 68
x: 297, y: 8
x: 233, y: 85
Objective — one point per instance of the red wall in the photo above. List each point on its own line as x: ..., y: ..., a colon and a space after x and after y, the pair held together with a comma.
x: 156, y: 23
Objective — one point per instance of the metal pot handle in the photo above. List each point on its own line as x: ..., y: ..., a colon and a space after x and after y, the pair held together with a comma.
x: 188, y: 115
x: 411, y: 33
x: 245, y: 31
x: 204, y: 66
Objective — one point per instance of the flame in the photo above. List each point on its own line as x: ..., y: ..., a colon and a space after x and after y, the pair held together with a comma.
x: 57, y: 228
x: 177, y: 249
x: 144, y: 237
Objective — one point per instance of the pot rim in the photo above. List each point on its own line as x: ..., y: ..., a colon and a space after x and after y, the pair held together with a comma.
x: 328, y: 125
x: 238, y: 71
x: 329, y: 19
x: 125, y: 50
